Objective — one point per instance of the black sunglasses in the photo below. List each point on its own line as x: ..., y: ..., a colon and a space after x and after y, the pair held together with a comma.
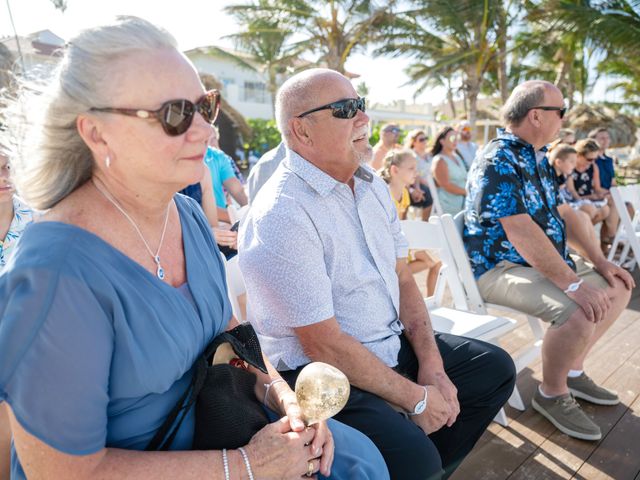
x: 346, y: 108
x: 175, y: 116
x: 560, y: 110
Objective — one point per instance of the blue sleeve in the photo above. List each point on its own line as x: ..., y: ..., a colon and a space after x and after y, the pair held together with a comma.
x: 56, y: 345
x: 226, y: 170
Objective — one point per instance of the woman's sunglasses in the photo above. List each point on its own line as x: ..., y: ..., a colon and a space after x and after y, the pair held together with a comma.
x: 346, y: 108
x: 421, y: 139
x: 176, y: 116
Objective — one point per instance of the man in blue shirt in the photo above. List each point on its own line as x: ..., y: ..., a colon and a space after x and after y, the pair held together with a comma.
x: 517, y: 245
x: 606, y: 168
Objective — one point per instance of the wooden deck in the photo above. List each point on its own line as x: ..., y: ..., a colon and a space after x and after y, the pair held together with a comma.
x: 531, y: 448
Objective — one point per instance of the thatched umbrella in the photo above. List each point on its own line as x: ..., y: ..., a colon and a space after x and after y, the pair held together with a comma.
x: 584, y: 118
x: 230, y: 121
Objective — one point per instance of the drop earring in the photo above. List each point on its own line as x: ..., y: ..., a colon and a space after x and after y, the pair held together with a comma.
x: 107, y: 161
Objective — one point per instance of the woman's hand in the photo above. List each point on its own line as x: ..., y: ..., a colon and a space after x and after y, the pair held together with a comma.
x: 225, y: 237
x: 276, y: 452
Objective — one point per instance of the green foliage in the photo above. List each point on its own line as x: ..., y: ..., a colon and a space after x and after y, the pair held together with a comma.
x: 264, y: 136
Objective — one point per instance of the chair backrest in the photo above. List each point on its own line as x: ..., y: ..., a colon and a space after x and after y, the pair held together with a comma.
x: 436, y: 208
x: 235, y: 286
x: 429, y: 236
x: 619, y: 195
x: 453, y: 229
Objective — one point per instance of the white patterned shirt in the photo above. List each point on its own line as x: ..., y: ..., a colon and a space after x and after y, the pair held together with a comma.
x: 310, y: 249
x: 22, y: 216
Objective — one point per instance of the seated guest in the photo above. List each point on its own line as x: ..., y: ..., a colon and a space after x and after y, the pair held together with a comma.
x: 584, y: 182
x: 400, y: 171
x: 563, y: 158
x: 466, y: 148
x: 223, y: 178
x: 342, y: 292
x: 14, y: 217
x: 566, y: 135
x: 449, y: 171
x: 113, y: 294
x: 389, y: 135
x: 262, y: 171
x: 516, y: 242
x: 419, y: 192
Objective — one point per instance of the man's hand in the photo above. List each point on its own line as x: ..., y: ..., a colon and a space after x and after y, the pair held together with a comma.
x: 610, y: 271
x: 448, y: 391
x: 437, y: 413
x: 593, y: 301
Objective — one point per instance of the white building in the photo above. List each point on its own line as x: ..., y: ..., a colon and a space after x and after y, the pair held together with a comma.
x: 244, y: 89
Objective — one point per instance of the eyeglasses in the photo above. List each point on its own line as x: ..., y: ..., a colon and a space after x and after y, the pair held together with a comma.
x: 421, y: 139
x: 561, y: 110
x: 452, y: 138
x: 175, y: 116
x: 590, y: 159
x: 345, y: 108
x: 393, y: 130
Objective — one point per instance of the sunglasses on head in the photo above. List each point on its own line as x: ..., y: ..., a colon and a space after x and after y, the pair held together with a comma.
x: 346, y: 108
x: 561, y: 110
x: 175, y: 116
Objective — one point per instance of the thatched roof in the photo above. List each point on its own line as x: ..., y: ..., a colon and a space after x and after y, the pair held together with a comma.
x: 210, y: 82
x: 584, y: 118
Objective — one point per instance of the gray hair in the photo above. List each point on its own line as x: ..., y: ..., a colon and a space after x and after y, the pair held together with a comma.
x: 294, y: 97
x: 49, y: 158
x: 523, y: 98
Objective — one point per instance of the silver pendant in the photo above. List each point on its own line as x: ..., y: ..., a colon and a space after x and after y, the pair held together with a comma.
x: 160, y: 270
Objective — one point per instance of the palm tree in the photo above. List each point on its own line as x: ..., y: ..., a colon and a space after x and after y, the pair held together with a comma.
x: 447, y: 38
x: 330, y: 30
x: 264, y: 40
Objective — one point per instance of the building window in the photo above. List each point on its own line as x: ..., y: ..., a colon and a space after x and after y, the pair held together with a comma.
x: 255, y: 92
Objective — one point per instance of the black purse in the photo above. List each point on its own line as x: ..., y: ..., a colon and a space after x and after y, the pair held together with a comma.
x: 227, y: 412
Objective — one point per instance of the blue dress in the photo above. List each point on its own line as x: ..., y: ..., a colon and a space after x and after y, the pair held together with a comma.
x: 95, y: 350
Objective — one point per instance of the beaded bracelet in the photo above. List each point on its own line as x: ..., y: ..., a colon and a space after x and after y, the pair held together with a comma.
x: 225, y: 464
x: 245, y: 457
x: 269, y: 385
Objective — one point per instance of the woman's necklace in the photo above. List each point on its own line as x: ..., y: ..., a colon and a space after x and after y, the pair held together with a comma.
x: 156, y: 257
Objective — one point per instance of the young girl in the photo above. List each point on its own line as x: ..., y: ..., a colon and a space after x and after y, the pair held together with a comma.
x: 400, y: 171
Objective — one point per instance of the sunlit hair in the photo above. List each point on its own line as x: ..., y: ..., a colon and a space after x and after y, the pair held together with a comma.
x: 587, y: 145
x: 441, y: 135
x: 594, y: 133
x: 297, y: 95
x: 49, y: 159
x: 524, y: 97
x: 564, y: 133
x: 394, y: 157
x: 411, y: 137
x: 560, y: 151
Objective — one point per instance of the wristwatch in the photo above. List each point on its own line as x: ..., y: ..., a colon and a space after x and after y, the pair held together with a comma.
x: 421, y: 405
x: 574, y: 286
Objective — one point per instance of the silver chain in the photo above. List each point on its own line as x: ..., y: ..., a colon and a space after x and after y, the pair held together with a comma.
x: 156, y: 257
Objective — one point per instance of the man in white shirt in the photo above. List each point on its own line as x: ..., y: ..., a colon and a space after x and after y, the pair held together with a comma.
x: 466, y: 148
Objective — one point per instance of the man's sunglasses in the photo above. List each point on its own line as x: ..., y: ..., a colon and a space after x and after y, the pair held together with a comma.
x: 561, y: 110
x: 346, y: 108
x: 175, y: 116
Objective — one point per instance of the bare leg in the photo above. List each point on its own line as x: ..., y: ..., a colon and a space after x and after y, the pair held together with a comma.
x: 566, y: 347
x: 580, y: 232
x: 426, y: 213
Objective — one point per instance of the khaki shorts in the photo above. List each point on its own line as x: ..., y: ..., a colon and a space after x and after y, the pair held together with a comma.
x: 527, y: 290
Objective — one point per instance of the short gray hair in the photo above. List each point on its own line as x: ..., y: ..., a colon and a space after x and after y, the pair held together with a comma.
x: 49, y: 159
x: 293, y: 98
x: 523, y: 98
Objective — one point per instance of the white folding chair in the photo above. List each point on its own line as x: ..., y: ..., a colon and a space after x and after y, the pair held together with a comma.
x: 628, y: 233
x: 459, y: 320
x: 453, y: 228
x: 235, y: 286
x: 436, y: 208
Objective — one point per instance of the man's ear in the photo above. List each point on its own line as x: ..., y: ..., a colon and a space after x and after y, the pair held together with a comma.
x: 90, y: 130
x: 534, y: 117
x: 300, y: 131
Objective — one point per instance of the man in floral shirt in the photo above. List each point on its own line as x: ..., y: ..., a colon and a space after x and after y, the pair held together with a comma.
x: 517, y: 243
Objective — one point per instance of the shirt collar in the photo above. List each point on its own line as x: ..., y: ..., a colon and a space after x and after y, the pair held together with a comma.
x: 320, y: 181
x: 511, y: 138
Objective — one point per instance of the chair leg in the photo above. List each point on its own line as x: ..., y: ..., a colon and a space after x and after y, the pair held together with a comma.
x: 515, y: 400
x: 501, y: 418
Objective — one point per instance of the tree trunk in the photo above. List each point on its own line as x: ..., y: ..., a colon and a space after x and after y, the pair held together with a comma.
x: 473, y: 90
x: 502, y: 54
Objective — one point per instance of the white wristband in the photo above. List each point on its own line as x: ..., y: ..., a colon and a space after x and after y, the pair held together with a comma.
x: 574, y: 286
x: 269, y: 385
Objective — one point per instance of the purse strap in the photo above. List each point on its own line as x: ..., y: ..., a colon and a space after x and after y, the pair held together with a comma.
x: 245, y: 344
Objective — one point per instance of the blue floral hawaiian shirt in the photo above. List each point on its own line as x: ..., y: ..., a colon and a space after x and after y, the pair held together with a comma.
x: 507, y: 180
x: 22, y: 216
